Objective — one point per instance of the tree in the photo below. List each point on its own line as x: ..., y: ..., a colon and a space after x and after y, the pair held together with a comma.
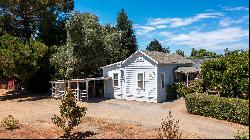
x: 63, y: 60
x: 180, y: 52
x: 18, y: 58
x: 89, y: 46
x: 71, y: 114
x: 28, y: 18
x: 127, y: 42
x: 111, y: 38
x: 155, y: 45
x: 85, y: 36
x: 228, y: 74
x: 202, y: 53
x: 41, y: 20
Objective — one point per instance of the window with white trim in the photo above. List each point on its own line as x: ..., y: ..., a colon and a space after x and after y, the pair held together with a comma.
x: 115, y: 80
x: 140, y: 80
x: 162, y: 80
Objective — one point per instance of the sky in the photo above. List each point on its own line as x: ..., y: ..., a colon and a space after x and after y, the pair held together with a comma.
x: 180, y: 24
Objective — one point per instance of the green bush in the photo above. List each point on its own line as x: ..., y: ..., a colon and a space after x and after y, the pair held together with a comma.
x: 71, y: 114
x: 10, y: 123
x: 171, y: 91
x: 241, y: 135
x: 228, y: 74
x: 230, y: 109
x: 181, y: 89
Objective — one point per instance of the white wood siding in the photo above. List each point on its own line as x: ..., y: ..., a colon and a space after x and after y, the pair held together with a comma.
x: 109, y: 90
x: 169, y: 79
x: 148, y: 67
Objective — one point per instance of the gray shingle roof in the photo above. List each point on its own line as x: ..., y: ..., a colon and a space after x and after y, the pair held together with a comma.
x: 187, y: 69
x: 198, y: 62
x: 166, y: 58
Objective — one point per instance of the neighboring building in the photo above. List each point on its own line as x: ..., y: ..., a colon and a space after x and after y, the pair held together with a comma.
x: 197, y: 62
x: 143, y: 76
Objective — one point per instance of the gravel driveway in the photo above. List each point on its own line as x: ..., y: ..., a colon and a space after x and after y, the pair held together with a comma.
x: 148, y: 115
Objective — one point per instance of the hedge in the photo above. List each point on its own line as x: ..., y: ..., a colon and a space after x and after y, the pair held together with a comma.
x: 230, y: 109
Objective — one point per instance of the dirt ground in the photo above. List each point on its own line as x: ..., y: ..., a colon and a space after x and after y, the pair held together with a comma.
x: 108, y: 118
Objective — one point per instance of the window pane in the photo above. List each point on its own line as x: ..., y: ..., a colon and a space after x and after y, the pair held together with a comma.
x: 162, y: 81
x: 140, y: 77
x: 162, y: 76
x: 115, y: 82
x: 115, y: 76
x: 140, y: 84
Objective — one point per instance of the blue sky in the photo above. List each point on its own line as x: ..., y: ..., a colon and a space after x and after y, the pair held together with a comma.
x: 180, y: 24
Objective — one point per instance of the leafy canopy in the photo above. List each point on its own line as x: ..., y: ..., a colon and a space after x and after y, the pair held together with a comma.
x: 127, y: 41
x: 229, y: 74
x: 155, y: 45
x: 18, y: 58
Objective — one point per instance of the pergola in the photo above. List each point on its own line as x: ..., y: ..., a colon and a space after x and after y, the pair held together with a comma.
x: 187, y: 71
x: 58, y: 87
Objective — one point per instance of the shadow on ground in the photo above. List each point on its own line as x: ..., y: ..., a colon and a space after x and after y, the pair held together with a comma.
x: 82, y: 135
x: 96, y: 100
x: 23, y: 96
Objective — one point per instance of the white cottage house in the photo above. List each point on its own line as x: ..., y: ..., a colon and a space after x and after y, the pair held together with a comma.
x: 143, y: 76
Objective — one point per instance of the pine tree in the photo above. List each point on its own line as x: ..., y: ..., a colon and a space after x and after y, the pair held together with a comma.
x: 155, y: 45
x: 180, y: 52
x: 128, y: 44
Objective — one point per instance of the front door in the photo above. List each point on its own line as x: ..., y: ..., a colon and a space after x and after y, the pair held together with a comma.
x: 122, y: 81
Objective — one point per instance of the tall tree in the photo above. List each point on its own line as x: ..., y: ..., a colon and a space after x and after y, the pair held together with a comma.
x: 24, y: 18
x: 155, y: 45
x: 180, y: 52
x: 128, y: 44
x: 111, y: 44
x: 40, y: 20
x: 202, y: 53
x: 85, y: 37
x: 19, y: 59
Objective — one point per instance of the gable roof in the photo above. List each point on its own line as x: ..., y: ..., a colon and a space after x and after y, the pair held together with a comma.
x: 166, y: 58
x: 112, y: 64
x: 158, y: 58
x: 198, y: 62
x: 187, y: 69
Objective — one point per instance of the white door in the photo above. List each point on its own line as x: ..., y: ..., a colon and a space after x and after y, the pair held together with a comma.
x: 123, y: 83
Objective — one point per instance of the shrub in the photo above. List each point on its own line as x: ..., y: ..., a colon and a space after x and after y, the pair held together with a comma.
x: 230, y: 109
x: 182, y: 90
x: 196, y: 86
x: 71, y: 114
x: 10, y: 123
x: 230, y: 74
x: 241, y: 135
x: 171, y: 91
x: 169, y: 128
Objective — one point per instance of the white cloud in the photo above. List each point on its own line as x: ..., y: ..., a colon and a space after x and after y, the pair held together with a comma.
x: 240, y: 8
x: 228, y: 21
x: 161, y: 26
x: 178, y: 22
x: 231, y: 38
x: 143, y: 29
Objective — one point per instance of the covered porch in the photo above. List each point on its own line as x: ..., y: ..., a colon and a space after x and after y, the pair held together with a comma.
x: 82, y: 88
x: 186, y: 74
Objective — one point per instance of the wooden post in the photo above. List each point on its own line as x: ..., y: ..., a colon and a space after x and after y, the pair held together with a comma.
x: 94, y: 88
x: 52, y: 90
x: 187, y: 79
x: 77, y: 91
x: 87, y: 89
x: 68, y: 84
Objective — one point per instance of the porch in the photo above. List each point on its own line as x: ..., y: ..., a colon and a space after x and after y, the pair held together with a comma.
x: 81, y: 88
x: 186, y: 74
